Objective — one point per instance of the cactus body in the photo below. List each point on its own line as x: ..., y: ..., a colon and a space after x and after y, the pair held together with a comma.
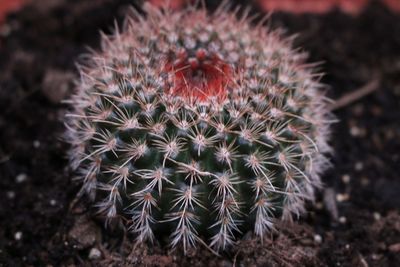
x: 198, y: 126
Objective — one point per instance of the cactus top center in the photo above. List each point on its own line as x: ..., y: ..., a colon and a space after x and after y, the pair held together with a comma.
x: 197, y: 76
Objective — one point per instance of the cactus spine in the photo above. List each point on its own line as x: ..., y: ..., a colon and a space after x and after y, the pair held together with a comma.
x: 198, y: 126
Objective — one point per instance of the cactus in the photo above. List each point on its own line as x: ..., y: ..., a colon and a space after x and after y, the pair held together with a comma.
x: 198, y: 126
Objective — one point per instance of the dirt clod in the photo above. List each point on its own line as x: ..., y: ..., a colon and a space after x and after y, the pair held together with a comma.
x: 84, y: 233
x: 57, y: 85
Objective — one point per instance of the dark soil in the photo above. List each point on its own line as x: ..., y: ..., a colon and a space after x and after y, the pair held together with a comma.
x: 38, y: 225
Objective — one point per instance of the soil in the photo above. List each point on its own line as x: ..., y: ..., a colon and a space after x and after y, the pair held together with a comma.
x: 355, y: 222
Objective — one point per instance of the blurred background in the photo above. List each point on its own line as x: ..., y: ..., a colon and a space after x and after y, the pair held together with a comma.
x: 356, y: 220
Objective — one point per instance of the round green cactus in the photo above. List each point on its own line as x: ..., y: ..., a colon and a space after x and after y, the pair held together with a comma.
x: 198, y: 126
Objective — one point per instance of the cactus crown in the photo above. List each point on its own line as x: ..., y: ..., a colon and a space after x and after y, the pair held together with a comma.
x: 198, y: 126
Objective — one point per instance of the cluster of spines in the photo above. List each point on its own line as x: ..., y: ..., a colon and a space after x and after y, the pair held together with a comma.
x: 198, y: 163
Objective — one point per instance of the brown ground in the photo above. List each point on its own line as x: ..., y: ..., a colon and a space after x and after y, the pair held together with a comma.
x: 38, y: 226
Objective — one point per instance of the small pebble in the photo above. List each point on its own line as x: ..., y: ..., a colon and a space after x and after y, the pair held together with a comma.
x: 342, y: 220
x: 359, y: 166
x: 53, y: 202
x: 318, y: 239
x: 319, y: 205
x: 355, y: 131
x: 376, y: 257
x: 364, y: 181
x: 10, y: 194
x: 21, y: 178
x: 94, y: 254
x: 377, y: 216
x: 18, y: 236
x: 346, y: 178
x: 36, y: 144
x: 395, y: 248
x: 342, y: 197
